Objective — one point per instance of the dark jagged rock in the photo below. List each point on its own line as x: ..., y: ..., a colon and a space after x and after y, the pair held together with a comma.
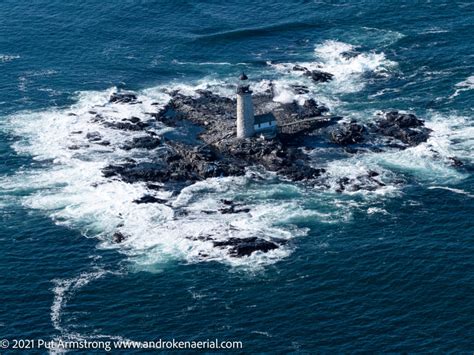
x: 152, y: 186
x: 134, y: 119
x: 145, y: 142
x: 404, y: 127
x: 455, y: 162
x: 240, y: 247
x: 149, y: 199
x: 364, y: 182
x: 300, y: 89
x: 350, y: 54
x: 298, y: 67
x: 104, y: 143
x: 319, y: 76
x: 403, y: 120
x: 118, y: 237
x: 232, y: 207
x: 128, y: 126
x: 220, y: 154
x: 94, y: 136
x: 136, y: 172
x: 348, y: 133
x: 313, y: 109
x: 123, y: 98
x: 224, y: 155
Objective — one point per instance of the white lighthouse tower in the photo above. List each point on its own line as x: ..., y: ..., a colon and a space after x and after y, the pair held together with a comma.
x: 245, y: 116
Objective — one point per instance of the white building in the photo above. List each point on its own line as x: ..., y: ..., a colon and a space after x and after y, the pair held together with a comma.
x: 265, y: 123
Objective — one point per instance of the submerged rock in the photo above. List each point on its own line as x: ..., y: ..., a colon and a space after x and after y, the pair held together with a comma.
x: 232, y: 207
x: 149, y: 199
x: 455, y: 161
x: 94, y: 136
x: 123, y: 98
x: 240, y: 247
x: 319, y: 76
x: 300, y: 89
x: 104, y: 143
x: 118, y: 237
x: 298, y: 67
x: 350, y: 54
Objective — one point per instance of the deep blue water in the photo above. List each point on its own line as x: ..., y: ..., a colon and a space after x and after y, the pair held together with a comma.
x: 390, y: 270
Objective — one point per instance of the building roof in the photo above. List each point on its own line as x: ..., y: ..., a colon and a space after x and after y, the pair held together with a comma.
x: 265, y: 118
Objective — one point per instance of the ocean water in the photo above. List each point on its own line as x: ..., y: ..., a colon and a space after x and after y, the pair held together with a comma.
x: 388, y: 269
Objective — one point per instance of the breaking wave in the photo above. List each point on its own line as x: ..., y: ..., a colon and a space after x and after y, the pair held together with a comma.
x: 465, y: 85
x: 349, y: 66
x: 4, y: 58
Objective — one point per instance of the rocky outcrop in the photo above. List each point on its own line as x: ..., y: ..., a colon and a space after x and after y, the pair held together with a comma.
x: 316, y: 75
x: 233, y: 207
x: 215, y: 151
x: 455, y: 162
x: 146, y: 142
x: 350, y: 54
x: 149, y: 199
x: 240, y: 247
x: 348, y: 133
x: 402, y: 126
x: 127, y: 125
x: 319, y: 76
x: 94, y: 136
x: 119, y: 237
x: 123, y: 98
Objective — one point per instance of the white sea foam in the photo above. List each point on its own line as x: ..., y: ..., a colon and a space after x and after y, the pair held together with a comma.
x: 451, y: 137
x: 457, y: 191
x: 349, y: 73
x: 356, y: 171
x: 65, y: 289
x: 4, y: 58
x: 465, y: 85
x: 375, y: 210
x: 434, y: 30
x: 429, y: 162
x: 376, y: 37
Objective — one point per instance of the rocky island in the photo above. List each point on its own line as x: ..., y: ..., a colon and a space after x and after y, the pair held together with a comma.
x: 227, y: 140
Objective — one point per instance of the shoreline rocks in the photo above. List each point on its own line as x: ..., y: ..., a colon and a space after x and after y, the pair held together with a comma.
x: 405, y: 127
x: 216, y: 152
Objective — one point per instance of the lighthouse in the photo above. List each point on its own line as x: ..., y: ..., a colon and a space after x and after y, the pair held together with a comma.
x: 245, y: 116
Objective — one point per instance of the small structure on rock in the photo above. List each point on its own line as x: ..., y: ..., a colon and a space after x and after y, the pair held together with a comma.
x: 265, y: 124
x: 247, y: 123
x: 245, y: 117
